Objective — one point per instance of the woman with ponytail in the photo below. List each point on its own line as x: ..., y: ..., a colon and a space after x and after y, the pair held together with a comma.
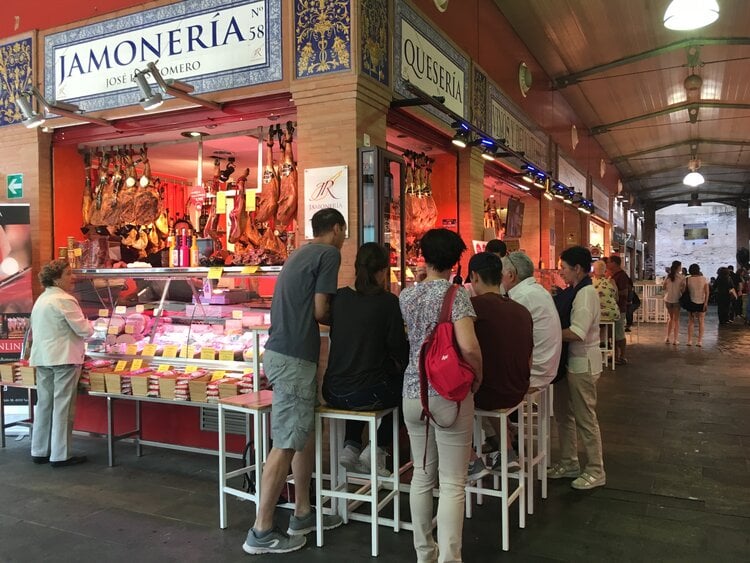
x: 368, y: 355
x: 674, y: 286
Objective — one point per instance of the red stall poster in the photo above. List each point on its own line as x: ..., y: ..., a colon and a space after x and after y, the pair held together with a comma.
x: 16, y: 299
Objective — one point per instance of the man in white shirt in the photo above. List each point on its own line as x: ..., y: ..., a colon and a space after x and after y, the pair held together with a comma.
x: 575, y: 397
x: 519, y: 282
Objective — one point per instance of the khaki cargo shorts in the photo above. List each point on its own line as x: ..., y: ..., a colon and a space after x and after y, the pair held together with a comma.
x: 295, y: 395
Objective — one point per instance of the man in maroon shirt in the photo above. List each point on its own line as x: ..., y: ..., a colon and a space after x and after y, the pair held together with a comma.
x: 505, y: 332
x: 622, y: 281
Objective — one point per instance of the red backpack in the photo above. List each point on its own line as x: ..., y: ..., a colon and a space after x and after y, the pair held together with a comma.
x: 441, y: 364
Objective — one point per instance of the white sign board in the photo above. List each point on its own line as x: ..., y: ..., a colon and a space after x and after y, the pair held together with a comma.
x: 427, y: 68
x: 504, y: 125
x: 326, y: 188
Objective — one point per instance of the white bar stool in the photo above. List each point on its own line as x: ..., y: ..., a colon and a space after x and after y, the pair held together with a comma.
x: 366, y: 492
x: 608, y: 351
x: 258, y: 405
x: 500, y: 487
x: 537, y: 441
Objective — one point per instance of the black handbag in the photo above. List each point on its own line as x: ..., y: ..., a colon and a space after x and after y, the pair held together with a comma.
x: 685, y: 301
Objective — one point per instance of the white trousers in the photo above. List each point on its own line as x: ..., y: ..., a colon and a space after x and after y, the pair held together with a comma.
x: 56, y: 388
x: 447, y: 457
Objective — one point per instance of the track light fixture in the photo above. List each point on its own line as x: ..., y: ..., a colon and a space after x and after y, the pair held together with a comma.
x: 461, y: 138
x: 568, y: 195
x: 31, y: 118
x: 150, y: 100
x: 175, y: 88
x: 548, y: 194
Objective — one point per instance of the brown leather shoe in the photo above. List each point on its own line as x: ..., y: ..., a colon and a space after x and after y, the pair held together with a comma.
x: 40, y: 460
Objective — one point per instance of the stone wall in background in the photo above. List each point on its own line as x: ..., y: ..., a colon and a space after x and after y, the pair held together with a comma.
x: 718, y: 250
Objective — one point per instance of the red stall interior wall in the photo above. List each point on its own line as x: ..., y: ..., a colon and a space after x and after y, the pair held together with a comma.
x: 68, y: 177
x: 444, y: 193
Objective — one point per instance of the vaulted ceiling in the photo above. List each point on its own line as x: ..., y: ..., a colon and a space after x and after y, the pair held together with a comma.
x: 625, y: 75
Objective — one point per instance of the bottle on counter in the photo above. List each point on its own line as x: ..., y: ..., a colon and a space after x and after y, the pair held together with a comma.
x: 194, y: 252
x: 184, y: 250
x: 172, y: 248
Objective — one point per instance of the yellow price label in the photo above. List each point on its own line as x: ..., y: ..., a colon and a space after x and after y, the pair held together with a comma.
x: 191, y: 369
x: 77, y: 252
x: 394, y: 279
x: 136, y: 364
x: 131, y: 349
x: 121, y: 365
x: 221, y: 202
x: 149, y: 350
x: 250, y: 200
x: 208, y: 354
x: 218, y: 374
x: 187, y: 351
x: 215, y: 272
x: 121, y: 310
x: 409, y: 273
x: 249, y: 270
x: 162, y: 368
x: 247, y: 371
x: 170, y: 351
x: 113, y: 330
x: 226, y: 355
x: 103, y: 312
x: 129, y: 329
x: 237, y: 314
x: 139, y: 308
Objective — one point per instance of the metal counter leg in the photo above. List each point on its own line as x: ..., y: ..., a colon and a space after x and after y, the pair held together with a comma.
x: 110, y: 433
x: 222, y: 471
x: 2, y: 416
x: 138, y: 447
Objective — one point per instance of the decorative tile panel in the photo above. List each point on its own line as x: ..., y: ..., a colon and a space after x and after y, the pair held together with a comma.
x: 322, y: 36
x: 374, y: 34
x: 479, y: 100
x: 15, y: 78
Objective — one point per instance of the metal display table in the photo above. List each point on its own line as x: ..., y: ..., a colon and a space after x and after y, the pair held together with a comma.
x: 27, y: 422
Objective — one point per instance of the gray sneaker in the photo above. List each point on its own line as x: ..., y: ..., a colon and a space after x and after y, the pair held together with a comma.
x: 306, y: 524
x: 274, y: 541
x: 513, y: 465
x: 477, y: 470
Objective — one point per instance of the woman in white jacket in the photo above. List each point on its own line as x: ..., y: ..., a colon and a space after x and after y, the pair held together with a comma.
x: 58, y: 329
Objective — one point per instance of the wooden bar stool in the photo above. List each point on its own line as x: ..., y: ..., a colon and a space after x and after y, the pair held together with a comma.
x: 537, y: 441
x: 368, y: 485
x: 257, y: 405
x: 501, y: 487
x: 608, y: 350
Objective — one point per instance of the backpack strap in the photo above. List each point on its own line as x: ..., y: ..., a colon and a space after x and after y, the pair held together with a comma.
x: 445, y: 311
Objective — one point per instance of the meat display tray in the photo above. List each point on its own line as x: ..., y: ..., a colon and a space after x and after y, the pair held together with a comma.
x: 226, y: 297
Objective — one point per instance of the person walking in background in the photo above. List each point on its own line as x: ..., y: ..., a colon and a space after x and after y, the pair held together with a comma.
x: 58, y: 330
x: 622, y: 282
x: 725, y: 293
x: 444, y: 449
x: 697, y: 285
x: 735, y: 309
x: 575, y: 396
x: 301, y: 300
x: 498, y: 247
x: 368, y: 355
x: 674, y: 285
x: 605, y: 288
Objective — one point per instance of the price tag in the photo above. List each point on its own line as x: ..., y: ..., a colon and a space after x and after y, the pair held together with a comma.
x: 104, y: 312
x: 249, y: 269
x: 237, y: 314
x: 191, y: 369
x: 394, y: 279
x: 247, y: 371
x: 121, y: 310
x: 77, y: 252
x: 120, y: 366
x: 129, y: 329
x: 187, y: 351
x: 139, y: 308
x: 113, y: 330
x: 215, y: 272
x: 409, y: 273
x: 250, y: 200
x: 170, y: 351
x: 208, y: 354
x: 149, y: 350
x: 221, y: 202
x: 136, y: 364
x: 218, y: 374
x: 226, y: 355
x: 162, y: 368
x: 131, y: 349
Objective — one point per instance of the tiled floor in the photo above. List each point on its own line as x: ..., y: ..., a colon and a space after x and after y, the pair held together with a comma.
x: 676, y: 432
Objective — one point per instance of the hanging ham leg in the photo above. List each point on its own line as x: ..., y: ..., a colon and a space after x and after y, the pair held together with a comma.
x: 87, y: 194
x: 287, y: 210
x: 212, y: 223
x: 269, y: 196
x: 238, y: 215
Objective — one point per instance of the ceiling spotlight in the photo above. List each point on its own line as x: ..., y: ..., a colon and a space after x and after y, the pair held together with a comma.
x: 461, y: 138
x: 192, y: 134
x: 548, y: 194
x: 31, y: 118
x: 489, y: 149
x: 150, y: 100
x: 568, y: 196
x: 682, y: 15
x: 559, y: 191
x: 540, y: 181
x: 693, y: 178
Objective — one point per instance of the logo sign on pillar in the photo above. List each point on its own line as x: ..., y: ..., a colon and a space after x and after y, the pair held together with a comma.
x: 326, y: 188
x: 15, y: 186
x: 213, y: 45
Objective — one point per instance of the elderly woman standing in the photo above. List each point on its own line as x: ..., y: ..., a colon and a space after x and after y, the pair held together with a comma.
x: 58, y: 328
x: 441, y: 448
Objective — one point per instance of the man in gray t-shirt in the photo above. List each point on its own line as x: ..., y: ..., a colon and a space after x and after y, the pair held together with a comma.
x: 301, y: 300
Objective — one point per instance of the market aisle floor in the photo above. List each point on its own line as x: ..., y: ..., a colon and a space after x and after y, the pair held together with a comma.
x: 676, y: 432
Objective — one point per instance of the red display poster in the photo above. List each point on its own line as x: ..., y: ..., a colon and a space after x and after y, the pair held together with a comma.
x: 16, y: 298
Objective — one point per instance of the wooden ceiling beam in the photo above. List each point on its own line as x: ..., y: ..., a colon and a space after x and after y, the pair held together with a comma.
x: 691, y: 142
x: 664, y: 170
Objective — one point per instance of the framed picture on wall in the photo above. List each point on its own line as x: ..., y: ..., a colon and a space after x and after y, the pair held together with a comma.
x: 514, y: 219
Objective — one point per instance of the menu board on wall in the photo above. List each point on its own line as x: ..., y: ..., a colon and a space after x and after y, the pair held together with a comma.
x: 213, y: 44
x: 15, y: 278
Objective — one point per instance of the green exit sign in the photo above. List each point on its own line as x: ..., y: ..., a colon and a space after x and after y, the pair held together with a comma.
x: 15, y: 186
